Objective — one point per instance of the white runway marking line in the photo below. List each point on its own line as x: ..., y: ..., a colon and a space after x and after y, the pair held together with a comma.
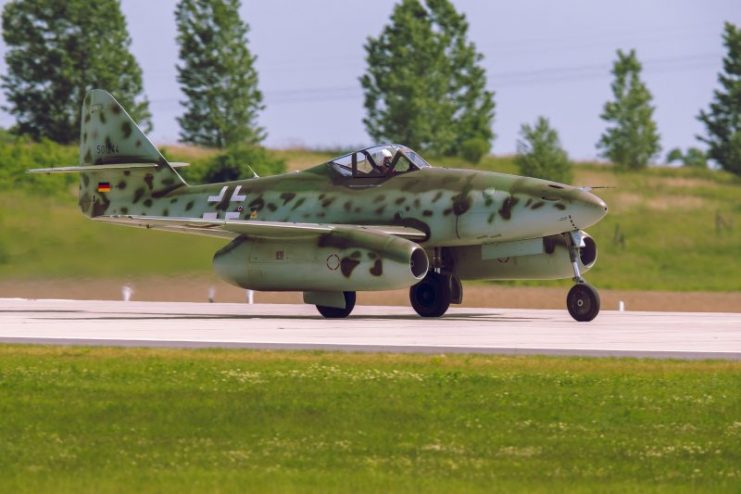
x: 693, y: 335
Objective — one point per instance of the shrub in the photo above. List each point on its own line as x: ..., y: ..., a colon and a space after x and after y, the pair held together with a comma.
x: 474, y: 149
x: 21, y: 154
x: 236, y: 163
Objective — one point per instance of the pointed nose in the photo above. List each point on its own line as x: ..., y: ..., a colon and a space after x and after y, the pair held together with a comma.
x: 589, y: 209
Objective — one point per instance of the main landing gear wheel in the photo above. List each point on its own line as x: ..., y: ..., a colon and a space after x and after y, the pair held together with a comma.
x: 334, y: 312
x: 431, y: 297
x: 583, y: 302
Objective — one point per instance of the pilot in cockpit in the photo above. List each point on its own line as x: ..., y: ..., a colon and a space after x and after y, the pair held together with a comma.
x: 384, y: 162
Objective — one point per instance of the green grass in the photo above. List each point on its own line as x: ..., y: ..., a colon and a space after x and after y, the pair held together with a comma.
x: 48, y: 237
x: 667, y: 218
x: 126, y: 420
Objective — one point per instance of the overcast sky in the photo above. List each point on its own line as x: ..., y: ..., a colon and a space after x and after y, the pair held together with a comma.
x: 542, y: 57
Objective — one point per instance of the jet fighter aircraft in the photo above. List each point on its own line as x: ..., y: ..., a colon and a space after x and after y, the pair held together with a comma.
x: 378, y: 218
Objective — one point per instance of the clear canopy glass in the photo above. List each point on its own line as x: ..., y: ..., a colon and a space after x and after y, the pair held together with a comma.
x: 379, y: 161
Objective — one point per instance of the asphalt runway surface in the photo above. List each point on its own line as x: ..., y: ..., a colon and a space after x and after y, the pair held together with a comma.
x: 684, y: 335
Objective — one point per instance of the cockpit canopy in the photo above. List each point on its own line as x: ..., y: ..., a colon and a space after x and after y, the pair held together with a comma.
x: 379, y: 161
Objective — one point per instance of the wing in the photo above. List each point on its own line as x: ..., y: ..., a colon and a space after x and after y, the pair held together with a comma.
x: 264, y: 229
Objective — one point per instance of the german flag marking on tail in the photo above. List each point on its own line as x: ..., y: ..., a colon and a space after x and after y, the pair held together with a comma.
x: 104, y: 187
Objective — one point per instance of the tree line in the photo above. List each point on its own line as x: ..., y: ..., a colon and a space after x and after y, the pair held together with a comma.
x: 424, y: 86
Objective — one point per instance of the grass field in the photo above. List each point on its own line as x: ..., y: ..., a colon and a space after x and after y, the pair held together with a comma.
x: 667, y: 218
x: 135, y: 420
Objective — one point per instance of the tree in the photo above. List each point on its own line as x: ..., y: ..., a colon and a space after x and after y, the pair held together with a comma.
x: 57, y: 51
x: 694, y: 157
x: 674, y: 155
x: 632, y: 140
x: 540, y: 155
x: 424, y: 86
x: 723, y: 119
x: 217, y: 75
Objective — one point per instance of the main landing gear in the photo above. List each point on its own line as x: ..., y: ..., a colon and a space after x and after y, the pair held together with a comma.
x: 583, y: 300
x: 432, y: 296
x: 334, y: 312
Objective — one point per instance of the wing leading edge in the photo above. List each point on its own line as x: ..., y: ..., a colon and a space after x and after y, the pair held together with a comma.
x: 264, y: 229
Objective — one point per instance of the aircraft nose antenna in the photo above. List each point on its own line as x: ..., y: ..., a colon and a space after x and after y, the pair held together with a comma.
x: 591, y: 209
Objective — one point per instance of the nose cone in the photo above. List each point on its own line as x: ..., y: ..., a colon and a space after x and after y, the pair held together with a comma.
x: 589, y: 209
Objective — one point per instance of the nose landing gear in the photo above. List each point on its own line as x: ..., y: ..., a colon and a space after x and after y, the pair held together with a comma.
x: 583, y: 300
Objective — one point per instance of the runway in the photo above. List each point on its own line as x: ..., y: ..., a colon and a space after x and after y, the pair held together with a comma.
x: 370, y: 328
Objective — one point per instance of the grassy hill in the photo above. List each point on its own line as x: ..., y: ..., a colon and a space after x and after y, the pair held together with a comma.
x: 668, y: 229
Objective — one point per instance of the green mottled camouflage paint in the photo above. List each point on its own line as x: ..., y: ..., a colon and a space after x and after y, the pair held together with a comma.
x: 452, y: 207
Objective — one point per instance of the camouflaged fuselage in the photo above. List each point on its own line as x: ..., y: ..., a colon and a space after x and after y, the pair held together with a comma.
x: 453, y: 207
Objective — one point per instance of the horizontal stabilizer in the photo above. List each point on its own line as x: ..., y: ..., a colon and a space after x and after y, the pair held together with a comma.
x: 100, y: 168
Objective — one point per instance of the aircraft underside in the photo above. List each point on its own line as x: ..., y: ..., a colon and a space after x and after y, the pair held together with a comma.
x: 331, y: 269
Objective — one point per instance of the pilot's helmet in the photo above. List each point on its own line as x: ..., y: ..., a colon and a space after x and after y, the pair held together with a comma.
x: 383, y: 157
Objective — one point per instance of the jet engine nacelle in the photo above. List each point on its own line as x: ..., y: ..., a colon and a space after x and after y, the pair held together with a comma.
x: 540, y: 258
x: 342, y: 260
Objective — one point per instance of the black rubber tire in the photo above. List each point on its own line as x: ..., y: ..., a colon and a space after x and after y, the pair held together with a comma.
x: 334, y: 312
x: 583, y: 302
x: 456, y: 291
x: 431, y: 296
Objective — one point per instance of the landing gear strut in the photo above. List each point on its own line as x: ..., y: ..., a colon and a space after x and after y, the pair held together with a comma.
x: 334, y: 312
x: 583, y: 300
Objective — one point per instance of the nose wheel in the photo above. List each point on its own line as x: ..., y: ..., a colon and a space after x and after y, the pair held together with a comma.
x: 583, y: 300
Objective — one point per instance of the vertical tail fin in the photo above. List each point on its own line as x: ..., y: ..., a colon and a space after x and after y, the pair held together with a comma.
x: 109, y: 136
